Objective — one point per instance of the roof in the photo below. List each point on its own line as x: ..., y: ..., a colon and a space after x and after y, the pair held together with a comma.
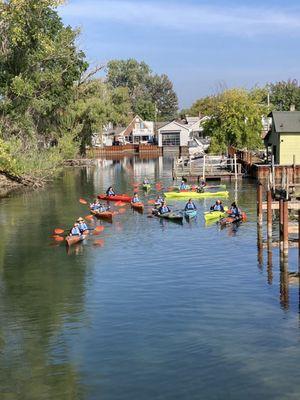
x: 286, y: 121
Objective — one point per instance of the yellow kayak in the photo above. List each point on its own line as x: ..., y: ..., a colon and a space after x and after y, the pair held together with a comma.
x: 194, y: 195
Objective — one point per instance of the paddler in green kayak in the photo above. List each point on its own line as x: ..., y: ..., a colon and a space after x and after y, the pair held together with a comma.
x: 218, y: 206
x: 190, y: 206
x: 164, y: 209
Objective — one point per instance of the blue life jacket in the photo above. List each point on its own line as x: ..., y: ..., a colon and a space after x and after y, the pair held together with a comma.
x: 83, y: 227
x: 135, y: 200
x: 75, y: 231
x: 110, y: 192
x: 183, y: 186
x: 190, y: 206
x: 218, y: 207
x: 164, y: 210
x: 235, y: 211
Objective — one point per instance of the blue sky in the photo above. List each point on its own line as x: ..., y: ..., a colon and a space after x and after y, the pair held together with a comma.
x: 200, y: 45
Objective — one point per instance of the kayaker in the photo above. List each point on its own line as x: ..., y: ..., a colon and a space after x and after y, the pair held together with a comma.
x: 164, y: 209
x: 190, y: 206
x: 135, y: 198
x: 110, y: 192
x: 200, y: 188
x: 146, y: 181
x: 159, y: 200
x: 218, y: 206
x: 82, y: 225
x: 103, y: 208
x: 183, y: 185
x: 95, y: 205
x: 75, y: 231
x: 234, y: 211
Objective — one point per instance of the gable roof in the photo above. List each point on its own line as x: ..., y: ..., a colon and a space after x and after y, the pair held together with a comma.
x: 286, y: 121
x: 176, y: 123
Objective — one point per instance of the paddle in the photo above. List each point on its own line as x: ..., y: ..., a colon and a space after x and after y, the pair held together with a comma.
x: 82, y: 201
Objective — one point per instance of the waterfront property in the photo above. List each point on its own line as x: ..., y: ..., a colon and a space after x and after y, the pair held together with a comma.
x: 283, y: 139
x: 179, y: 134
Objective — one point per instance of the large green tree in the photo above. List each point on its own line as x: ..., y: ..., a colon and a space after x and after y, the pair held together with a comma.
x: 39, y: 63
x: 153, y: 92
x: 284, y: 94
x: 236, y: 120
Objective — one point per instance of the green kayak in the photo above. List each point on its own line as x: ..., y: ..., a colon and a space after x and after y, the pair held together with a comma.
x: 215, y: 215
x: 173, y: 216
x: 146, y: 186
x: 194, y: 195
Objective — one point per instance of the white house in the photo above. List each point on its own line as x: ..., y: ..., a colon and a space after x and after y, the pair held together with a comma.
x: 181, y: 133
x: 139, y: 131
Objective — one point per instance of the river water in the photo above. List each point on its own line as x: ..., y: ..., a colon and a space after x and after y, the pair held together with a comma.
x: 149, y: 309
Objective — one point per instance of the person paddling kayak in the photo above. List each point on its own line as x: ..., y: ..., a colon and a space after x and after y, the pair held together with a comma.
x: 183, y: 185
x: 190, y: 206
x: 82, y: 226
x: 95, y: 205
x: 159, y: 200
x: 164, y: 209
x: 75, y: 231
x: 234, y: 211
x: 135, y: 198
x: 110, y: 192
x: 146, y: 181
x: 218, y: 206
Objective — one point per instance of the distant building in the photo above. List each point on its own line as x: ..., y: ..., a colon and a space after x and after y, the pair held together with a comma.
x: 180, y: 133
x: 139, y: 131
x: 283, y: 139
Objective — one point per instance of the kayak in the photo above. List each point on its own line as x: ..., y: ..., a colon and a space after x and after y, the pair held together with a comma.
x: 137, y: 206
x: 194, y: 195
x: 231, y: 220
x: 76, y: 239
x: 146, y: 186
x: 173, y: 216
x: 194, y: 188
x: 213, y: 215
x: 108, y: 215
x: 189, y: 214
x: 117, y: 197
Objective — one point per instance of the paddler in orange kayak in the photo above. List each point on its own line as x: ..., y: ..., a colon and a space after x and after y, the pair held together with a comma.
x: 110, y: 192
x: 135, y: 198
x: 234, y: 211
x: 82, y: 225
x: 75, y: 231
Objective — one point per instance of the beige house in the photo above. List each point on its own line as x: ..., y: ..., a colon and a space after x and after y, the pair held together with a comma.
x: 283, y: 139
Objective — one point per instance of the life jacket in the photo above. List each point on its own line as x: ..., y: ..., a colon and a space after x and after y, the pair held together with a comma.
x: 75, y: 232
x: 164, y: 210
x: 190, y: 206
x: 218, y: 207
x: 135, y: 200
x: 83, y: 227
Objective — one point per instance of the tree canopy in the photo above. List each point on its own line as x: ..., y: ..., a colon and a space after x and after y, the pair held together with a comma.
x: 151, y: 96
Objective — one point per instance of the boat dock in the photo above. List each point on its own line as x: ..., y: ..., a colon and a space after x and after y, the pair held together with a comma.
x: 206, y: 168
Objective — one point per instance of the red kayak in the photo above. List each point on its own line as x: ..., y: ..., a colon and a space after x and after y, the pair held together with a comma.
x: 117, y: 197
x: 137, y: 206
x: 231, y: 220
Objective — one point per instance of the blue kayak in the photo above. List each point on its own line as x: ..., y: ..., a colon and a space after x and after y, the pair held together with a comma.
x: 190, y: 214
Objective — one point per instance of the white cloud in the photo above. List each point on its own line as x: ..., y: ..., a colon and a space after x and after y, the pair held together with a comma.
x: 169, y: 15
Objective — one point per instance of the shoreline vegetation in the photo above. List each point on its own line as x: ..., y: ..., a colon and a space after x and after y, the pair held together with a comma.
x: 52, y: 101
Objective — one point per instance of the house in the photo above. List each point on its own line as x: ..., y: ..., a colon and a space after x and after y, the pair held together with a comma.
x: 139, y: 131
x: 283, y: 139
x: 180, y: 133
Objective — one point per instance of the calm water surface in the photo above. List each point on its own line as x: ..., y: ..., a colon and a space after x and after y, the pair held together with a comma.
x: 154, y: 310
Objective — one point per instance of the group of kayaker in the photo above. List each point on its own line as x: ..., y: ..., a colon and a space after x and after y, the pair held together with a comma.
x: 233, y: 212
x: 199, y: 189
x: 79, y: 227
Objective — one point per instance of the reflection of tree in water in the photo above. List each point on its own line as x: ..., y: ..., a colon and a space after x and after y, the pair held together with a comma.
x: 41, y: 289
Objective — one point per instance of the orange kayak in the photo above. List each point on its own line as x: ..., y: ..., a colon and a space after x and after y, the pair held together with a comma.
x: 108, y: 215
x: 137, y: 206
x: 117, y: 197
x: 70, y: 240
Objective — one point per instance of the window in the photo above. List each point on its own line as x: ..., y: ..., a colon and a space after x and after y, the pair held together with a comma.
x: 171, y: 139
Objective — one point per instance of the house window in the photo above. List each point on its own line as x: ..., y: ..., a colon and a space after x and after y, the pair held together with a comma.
x: 171, y: 139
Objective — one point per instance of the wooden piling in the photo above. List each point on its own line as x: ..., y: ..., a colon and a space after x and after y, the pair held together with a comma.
x: 235, y: 167
x: 259, y: 204
x: 269, y: 214
x: 280, y: 222
x: 285, y: 228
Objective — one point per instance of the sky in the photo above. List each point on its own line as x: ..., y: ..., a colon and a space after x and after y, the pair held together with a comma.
x: 202, y: 46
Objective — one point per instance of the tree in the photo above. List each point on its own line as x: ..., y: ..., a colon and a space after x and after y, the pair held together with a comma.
x: 154, y: 92
x: 39, y: 63
x: 284, y: 94
x: 163, y: 96
x: 236, y: 121
x: 204, y: 106
x: 145, y: 109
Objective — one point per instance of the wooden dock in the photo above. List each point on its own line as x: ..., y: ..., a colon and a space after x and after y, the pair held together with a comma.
x: 208, y: 167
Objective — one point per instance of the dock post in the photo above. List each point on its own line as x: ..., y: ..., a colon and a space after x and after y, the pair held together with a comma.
x: 269, y: 215
x: 285, y: 228
x: 281, y: 224
x: 235, y: 167
x: 259, y: 204
x: 203, y: 172
x: 299, y: 241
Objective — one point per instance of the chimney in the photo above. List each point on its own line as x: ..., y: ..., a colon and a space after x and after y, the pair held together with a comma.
x: 292, y: 107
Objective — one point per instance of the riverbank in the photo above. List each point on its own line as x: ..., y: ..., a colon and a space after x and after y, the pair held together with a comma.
x: 10, y: 183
